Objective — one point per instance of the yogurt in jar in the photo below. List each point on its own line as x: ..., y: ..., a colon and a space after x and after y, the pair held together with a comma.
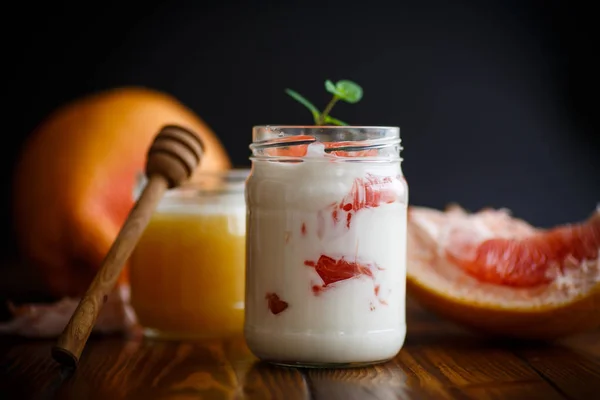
x: 326, y: 260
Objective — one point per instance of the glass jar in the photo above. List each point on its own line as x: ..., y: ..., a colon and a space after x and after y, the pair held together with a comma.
x: 187, y: 270
x: 326, y: 248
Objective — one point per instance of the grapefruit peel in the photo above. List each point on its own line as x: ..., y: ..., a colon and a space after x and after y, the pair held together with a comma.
x: 567, y: 304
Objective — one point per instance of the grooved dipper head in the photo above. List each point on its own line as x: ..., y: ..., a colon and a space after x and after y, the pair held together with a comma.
x: 174, y: 154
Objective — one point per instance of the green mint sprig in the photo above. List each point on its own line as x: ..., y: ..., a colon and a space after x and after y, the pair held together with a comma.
x: 344, y: 90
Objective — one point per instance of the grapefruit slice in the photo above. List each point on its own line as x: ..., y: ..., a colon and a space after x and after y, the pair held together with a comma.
x: 499, y: 275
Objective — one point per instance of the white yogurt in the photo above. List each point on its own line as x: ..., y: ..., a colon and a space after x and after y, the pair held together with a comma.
x: 350, y: 306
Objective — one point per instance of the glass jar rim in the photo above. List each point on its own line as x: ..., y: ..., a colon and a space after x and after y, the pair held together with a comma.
x: 263, y: 133
x: 345, y: 142
x: 338, y: 127
x: 210, y: 182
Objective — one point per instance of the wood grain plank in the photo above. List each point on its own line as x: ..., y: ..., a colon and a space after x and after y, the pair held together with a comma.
x: 27, y: 371
x: 442, y: 364
x: 464, y: 363
x: 185, y: 369
x: 461, y: 367
x: 263, y: 381
x: 572, y: 373
x: 513, y: 391
x: 588, y: 343
x: 267, y: 382
x: 425, y: 379
x: 380, y: 382
x: 118, y: 369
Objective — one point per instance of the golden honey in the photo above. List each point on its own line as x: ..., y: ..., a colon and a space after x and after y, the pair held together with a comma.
x: 187, y: 272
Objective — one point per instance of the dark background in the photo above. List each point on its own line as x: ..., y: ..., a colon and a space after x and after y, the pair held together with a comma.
x: 496, y: 100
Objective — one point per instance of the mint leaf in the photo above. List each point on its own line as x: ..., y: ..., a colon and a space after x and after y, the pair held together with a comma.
x: 348, y: 91
x: 330, y: 87
x: 345, y: 90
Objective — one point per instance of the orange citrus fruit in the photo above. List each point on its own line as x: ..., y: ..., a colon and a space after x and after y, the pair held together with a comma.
x: 499, y: 275
x: 74, y: 180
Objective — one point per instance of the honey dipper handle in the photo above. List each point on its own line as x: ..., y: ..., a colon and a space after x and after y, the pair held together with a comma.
x: 72, y: 341
x: 172, y: 158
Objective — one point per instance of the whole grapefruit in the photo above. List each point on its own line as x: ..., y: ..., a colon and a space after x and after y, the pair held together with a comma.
x: 74, y: 179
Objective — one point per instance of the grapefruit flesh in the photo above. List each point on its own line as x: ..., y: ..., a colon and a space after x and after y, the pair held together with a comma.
x: 497, y: 274
x: 534, y: 260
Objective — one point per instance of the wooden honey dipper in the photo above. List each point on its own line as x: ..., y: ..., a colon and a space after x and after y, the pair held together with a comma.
x: 172, y: 158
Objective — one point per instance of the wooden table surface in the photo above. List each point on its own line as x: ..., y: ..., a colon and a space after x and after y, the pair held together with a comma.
x: 438, y: 361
